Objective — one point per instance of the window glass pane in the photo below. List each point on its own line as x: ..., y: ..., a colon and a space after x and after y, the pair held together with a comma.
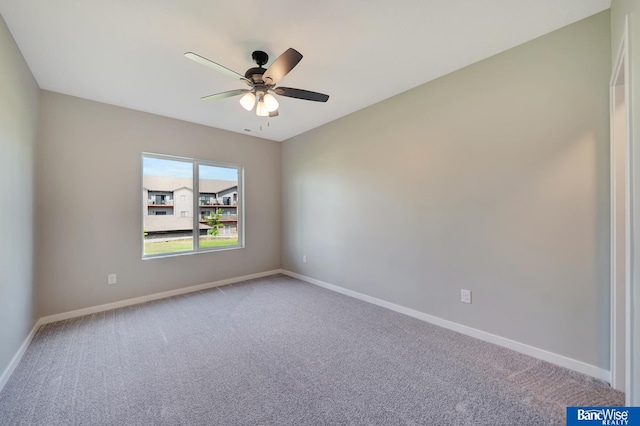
x: 167, y: 187
x: 218, y: 206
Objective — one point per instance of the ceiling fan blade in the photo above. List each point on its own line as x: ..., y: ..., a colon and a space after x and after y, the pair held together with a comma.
x: 281, y: 66
x: 207, y: 63
x: 274, y: 113
x: 223, y: 95
x: 301, y: 94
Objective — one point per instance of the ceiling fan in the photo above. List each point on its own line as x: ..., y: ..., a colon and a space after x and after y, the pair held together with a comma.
x: 262, y: 82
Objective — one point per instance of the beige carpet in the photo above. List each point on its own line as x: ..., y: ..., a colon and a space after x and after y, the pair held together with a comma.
x: 277, y: 351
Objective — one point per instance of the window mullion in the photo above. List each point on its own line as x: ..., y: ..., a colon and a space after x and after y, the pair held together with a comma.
x: 196, y: 207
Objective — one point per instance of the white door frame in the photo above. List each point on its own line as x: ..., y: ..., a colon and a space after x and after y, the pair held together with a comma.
x: 621, y: 300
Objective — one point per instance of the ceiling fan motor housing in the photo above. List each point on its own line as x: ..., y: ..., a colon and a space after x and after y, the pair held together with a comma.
x: 255, y: 74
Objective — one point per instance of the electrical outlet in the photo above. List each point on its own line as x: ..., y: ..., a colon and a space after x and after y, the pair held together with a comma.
x: 304, y: 258
x: 111, y: 279
x: 465, y: 296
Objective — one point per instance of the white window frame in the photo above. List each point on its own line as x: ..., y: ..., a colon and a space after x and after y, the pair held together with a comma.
x: 195, y: 162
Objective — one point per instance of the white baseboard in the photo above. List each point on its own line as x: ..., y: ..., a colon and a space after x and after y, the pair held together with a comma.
x: 4, y: 378
x: 563, y: 361
x: 155, y: 296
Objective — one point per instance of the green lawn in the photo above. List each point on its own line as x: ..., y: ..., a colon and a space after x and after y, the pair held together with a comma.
x: 171, y: 246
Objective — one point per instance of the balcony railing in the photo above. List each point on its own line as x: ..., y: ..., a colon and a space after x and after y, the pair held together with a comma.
x: 218, y: 202
x: 223, y: 218
x: 161, y: 203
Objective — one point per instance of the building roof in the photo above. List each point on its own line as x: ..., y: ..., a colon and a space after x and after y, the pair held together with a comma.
x: 164, y: 223
x: 170, y: 184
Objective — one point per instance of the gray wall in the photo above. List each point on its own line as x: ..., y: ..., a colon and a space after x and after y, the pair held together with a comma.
x: 88, y: 148
x: 619, y: 9
x: 500, y: 176
x: 18, y: 128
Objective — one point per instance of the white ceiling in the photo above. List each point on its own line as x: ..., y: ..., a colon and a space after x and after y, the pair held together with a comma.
x: 130, y: 52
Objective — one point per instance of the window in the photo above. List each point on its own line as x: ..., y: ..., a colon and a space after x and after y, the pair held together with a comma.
x: 208, y: 196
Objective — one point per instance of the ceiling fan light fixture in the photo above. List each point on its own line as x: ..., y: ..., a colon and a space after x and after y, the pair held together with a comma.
x: 261, y: 109
x: 248, y: 101
x: 271, y: 102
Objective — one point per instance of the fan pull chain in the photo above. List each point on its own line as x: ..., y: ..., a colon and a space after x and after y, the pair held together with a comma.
x: 268, y: 125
